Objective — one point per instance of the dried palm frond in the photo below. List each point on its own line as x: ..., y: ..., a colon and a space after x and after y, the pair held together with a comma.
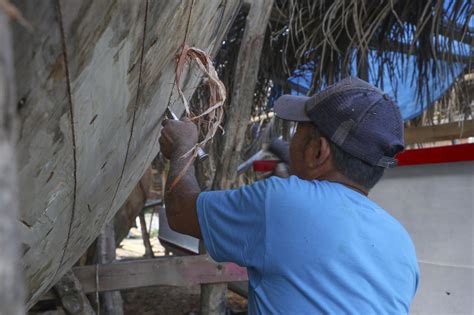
x: 335, y: 35
x: 217, y: 91
x: 213, y: 114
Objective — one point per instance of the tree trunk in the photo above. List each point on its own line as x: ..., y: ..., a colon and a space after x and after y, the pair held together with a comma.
x: 11, y: 277
x: 110, y: 302
x: 213, y: 297
x: 245, y: 78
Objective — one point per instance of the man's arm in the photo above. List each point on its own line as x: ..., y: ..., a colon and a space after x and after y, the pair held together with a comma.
x: 177, y: 138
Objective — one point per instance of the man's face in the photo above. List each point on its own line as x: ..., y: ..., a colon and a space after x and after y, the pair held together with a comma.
x: 298, y: 145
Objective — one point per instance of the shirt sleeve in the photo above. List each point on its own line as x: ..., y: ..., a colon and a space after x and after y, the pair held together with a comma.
x: 233, y: 224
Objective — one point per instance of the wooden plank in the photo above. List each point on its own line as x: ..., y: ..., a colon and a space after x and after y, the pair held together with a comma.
x: 449, y: 131
x: 44, y: 145
x: 172, y: 271
x: 11, y: 277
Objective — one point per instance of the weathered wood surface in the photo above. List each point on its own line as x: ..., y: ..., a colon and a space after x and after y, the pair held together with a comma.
x: 73, y: 299
x: 449, y: 131
x: 172, y: 271
x: 145, y: 236
x: 110, y: 302
x: 245, y: 78
x: 94, y: 79
x: 11, y: 280
x: 125, y: 217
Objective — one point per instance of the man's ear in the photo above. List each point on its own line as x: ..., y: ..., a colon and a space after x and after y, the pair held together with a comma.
x: 313, y: 153
x: 324, y: 151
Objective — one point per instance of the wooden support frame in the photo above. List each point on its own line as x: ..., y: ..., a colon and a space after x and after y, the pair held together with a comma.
x: 172, y: 271
x: 449, y: 131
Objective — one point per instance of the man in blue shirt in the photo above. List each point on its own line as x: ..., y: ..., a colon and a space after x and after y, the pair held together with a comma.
x: 313, y: 243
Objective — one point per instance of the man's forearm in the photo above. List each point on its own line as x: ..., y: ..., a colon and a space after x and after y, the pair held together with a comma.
x: 181, y: 194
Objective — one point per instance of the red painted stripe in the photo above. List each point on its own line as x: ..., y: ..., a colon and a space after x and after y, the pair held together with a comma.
x: 264, y: 165
x: 446, y: 154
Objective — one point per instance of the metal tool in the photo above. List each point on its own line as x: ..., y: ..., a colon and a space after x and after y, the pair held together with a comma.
x: 202, y: 155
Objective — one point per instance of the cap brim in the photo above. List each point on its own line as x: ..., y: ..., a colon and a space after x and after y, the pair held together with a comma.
x: 291, y: 107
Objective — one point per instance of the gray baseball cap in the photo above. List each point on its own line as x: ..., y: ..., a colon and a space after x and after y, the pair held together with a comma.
x: 358, y: 117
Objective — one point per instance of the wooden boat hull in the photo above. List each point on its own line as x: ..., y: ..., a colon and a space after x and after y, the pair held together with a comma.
x: 94, y: 79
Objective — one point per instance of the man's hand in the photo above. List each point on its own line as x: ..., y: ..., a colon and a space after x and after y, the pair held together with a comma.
x: 177, y: 138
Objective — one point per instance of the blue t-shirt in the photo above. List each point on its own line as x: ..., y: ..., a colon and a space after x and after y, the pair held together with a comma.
x: 311, y: 247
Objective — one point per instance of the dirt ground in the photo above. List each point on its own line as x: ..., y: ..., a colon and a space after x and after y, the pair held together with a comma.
x: 172, y: 300
x: 164, y: 299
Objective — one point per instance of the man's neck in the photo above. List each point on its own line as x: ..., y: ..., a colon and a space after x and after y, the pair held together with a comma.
x: 341, y: 179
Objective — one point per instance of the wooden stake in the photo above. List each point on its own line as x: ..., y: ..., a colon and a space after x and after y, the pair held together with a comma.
x: 110, y: 302
x: 145, y: 236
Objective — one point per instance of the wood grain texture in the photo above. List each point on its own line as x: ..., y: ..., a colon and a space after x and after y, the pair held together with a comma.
x: 73, y: 299
x: 245, y: 78
x: 213, y: 299
x: 172, y: 271
x: 94, y: 80
x: 449, y: 131
x: 11, y: 280
x: 110, y: 302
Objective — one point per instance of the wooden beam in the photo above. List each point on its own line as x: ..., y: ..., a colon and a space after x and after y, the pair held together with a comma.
x: 172, y: 271
x: 405, y: 48
x: 449, y: 131
x: 11, y: 277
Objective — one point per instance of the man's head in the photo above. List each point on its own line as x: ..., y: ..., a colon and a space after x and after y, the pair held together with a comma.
x: 351, y: 130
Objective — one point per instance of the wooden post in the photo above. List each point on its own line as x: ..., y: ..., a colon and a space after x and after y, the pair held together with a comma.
x: 110, y: 302
x: 11, y: 276
x: 145, y: 236
x: 213, y: 297
x: 245, y: 78
x: 73, y: 299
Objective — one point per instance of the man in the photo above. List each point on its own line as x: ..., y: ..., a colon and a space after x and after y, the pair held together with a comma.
x: 313, y: 243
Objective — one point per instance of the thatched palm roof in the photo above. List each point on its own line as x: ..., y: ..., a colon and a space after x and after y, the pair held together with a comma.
x: 333, y: 33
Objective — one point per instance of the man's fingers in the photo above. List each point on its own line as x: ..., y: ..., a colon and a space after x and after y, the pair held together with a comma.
x: 165, y: 121
x: 166, y: 137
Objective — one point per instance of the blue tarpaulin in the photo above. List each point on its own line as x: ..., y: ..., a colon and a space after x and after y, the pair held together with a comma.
x: 403, y: 88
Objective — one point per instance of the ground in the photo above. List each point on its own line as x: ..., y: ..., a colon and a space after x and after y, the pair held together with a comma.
x: 163, y: 299
x: 172, y: 300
